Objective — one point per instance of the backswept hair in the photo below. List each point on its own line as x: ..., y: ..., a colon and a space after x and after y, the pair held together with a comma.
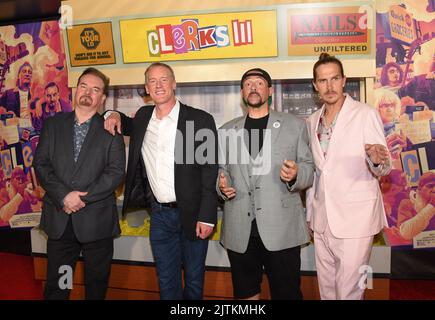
x: 51, y: 84
x: 158, y: 64
x: 325, y: 58
x: 25, y: 64
x: 98, y: 74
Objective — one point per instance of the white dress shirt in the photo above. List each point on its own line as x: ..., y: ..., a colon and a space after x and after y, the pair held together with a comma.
x: 24, y: 104
x: 158, y: 153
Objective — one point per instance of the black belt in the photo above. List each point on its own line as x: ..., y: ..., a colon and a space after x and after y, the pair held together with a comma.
x: 168, y: 204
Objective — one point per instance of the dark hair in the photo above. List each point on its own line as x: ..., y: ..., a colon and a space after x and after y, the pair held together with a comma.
x: 51, y: 84
x: 98, y: 74
x: 159, y: 64
x: 25, y: 64
x: 325, y: 58
x: 384, y: 73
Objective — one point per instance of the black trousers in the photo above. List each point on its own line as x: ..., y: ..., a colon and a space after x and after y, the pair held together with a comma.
x: 283, y: 270
x: 65, y: 251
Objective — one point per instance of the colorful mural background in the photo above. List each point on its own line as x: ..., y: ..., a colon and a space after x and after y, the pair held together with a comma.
x: 33, y: 86
x: 405, y: 97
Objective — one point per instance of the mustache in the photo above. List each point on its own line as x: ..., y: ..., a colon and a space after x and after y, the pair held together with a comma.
x: 252, y: 93
x: 86, y: 100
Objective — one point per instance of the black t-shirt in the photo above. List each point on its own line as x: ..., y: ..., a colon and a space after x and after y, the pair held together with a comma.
x: 255, y: 128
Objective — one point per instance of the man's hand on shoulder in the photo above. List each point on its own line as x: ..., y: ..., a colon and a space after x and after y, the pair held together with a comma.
x: 112, y: 122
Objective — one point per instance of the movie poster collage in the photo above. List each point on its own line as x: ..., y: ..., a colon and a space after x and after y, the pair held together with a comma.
x: 405, y: 97
x: 33, y: 87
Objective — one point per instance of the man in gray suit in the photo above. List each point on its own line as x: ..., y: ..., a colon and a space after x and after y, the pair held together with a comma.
x: 265, y: 161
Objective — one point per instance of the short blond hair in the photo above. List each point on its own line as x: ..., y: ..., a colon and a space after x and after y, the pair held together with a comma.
x: 383, y: 96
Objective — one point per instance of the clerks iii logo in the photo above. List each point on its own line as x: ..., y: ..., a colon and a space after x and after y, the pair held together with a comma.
x: 90, y: 38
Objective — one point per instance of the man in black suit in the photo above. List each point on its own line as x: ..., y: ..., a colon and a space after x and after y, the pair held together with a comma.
x: 173, y: 154
x: 80, y: 165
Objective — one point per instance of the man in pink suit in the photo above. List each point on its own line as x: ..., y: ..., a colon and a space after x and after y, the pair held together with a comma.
x: 344, y: 205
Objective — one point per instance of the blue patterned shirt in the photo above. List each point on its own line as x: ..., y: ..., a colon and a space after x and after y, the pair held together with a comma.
x: 80, y: 132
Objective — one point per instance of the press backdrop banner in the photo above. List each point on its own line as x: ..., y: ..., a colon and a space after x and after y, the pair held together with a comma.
x: 200, y: 36
x: 33, y: 86
x: 335, y: 30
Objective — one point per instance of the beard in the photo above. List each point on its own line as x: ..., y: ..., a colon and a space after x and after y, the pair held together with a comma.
x: 255, y: 104
x: 85, y: 101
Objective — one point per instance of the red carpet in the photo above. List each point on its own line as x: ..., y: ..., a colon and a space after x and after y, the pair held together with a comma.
x: 412, y: 290
x: 17, y: 282
x: 16, y: 278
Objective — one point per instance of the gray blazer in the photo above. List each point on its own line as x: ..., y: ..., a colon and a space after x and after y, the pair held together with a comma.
x: 260, y: 193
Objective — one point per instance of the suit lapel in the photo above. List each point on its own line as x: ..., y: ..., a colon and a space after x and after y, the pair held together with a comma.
x: 181, y: 156
x: 340, y: 127
x: 68, y: 139
x: 314, y: 125
x: 244, y: 152
x: 274, y: 125
x: 182, y: 116
x: 141, y: 127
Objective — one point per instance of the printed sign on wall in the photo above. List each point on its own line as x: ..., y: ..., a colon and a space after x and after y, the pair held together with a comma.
x: 401, y: 25
x: 337, y: 31
x: 91, y: 44
x: 203, y: 36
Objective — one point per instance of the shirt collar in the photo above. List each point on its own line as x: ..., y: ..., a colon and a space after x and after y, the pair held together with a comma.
x: 173, y: 115
x: 346, y: 95
x: 84, y: 123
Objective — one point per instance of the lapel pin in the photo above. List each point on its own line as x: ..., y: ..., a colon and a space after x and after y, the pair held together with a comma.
x: 276, y: 124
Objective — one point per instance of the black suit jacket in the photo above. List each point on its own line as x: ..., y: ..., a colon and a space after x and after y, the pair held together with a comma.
x: 195, y: 183
x: 99, y: 170
x: 10, y: 100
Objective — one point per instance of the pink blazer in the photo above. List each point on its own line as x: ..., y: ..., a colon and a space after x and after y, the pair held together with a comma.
x: 352, y: 197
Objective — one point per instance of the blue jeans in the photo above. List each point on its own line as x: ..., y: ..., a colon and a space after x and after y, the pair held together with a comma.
x: 173, y: 251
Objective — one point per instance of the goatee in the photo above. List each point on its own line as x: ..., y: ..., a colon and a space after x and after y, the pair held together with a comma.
x: 254, y: 105
x: 85, y: 101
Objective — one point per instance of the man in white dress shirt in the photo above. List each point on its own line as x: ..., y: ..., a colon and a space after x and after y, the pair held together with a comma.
x: 165, y: 171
